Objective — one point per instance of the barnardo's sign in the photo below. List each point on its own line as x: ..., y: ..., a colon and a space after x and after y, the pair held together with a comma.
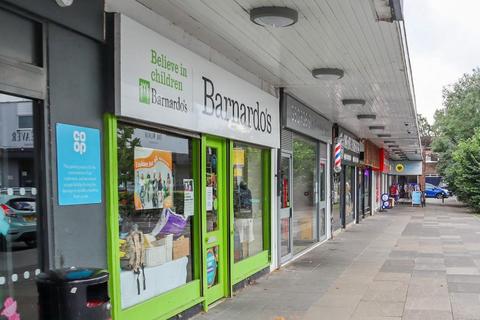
x: 164, y: 83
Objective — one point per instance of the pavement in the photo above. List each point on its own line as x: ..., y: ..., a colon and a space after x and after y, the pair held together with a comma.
x: 408, y: 263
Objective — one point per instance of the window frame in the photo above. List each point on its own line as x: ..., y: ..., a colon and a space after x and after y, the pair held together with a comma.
x: 171, y: 302
x: 249, y: 266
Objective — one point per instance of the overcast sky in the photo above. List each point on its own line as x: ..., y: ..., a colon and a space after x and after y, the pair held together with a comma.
x: 444, y: 43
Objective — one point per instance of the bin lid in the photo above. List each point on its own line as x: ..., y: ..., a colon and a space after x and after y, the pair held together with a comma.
x: 74, y: 275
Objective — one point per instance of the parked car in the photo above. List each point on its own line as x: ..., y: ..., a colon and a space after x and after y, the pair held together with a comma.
x: 432, y: 191
x: 20, y: 213
x: 444, y: 186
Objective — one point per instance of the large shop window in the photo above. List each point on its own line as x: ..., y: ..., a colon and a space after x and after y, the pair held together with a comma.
x: 247, y: 200
x: 18, y: 210
x: 349, y: 194
x: 156, y: 208
x: 305, y: 197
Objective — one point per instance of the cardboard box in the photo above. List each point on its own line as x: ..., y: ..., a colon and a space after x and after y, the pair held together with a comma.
x: 181, y: 247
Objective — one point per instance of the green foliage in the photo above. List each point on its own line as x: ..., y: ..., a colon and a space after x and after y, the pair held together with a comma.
x: 457, y: 139
x: 464, y: 171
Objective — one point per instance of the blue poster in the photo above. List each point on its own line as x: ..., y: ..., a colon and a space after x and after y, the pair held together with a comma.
x: 79, y: 170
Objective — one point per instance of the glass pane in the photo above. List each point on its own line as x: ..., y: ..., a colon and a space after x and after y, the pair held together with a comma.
x: 156, y: 207
x: 360, y: 193
x: 285, y: 236
x: 305, y: 212
x: 349, y: 205
x: 323, y: 171
x: 247, y: 201
x: 285, y: 176
x: 366, y: 190
x: 212, y: 266
x: 212, y: 189
x: 18, y: 210
x: 336, y: 221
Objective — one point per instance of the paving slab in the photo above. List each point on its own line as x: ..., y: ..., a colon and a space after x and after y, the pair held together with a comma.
x: 407, y: 263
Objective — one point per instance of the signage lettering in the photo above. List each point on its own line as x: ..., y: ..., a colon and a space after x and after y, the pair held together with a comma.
x: 227, y: 109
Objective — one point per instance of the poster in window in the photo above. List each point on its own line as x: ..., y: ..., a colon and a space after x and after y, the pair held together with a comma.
x: 188, y: 194
x: 153, y: 178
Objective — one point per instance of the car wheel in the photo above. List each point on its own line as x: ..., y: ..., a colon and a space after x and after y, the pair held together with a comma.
x: 439, y: 196
x: 31, y: 243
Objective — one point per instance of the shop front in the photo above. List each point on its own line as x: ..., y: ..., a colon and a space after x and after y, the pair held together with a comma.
x: 189, y: 176
x: 344, y: 182
x: 406, y: 174
x: 303, y: 168
x: 38, y: 231
x: 371, y: 191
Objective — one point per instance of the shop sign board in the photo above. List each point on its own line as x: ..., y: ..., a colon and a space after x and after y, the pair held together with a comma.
x: 161, y: 82
x: 406, y: 168
x: 349, y: 143
x: 301, y: 118
x: 79, y: 176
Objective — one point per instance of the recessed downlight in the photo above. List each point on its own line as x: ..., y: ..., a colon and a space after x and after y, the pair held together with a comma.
x: 353, y: 102
x: 327, y: 73
x: 376, y: 127
x: 366, y: 117
x: 277, y: 17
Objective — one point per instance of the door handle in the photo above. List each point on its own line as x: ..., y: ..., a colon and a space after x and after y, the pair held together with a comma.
x: 290, y: 212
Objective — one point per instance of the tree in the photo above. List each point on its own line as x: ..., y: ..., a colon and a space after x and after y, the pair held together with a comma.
x: 426, y: 130
x: 455, y: 127
x: 464, y: 171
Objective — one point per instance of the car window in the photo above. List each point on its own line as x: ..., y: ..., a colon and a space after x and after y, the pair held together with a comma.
x: 23, y: 204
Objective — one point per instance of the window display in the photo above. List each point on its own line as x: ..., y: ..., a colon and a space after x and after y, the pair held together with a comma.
x: 247, y: 200
x: 156, y: 205
x: 349, y: 194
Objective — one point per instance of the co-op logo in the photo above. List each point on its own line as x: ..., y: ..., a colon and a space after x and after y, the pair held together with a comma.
x: 79, y: 141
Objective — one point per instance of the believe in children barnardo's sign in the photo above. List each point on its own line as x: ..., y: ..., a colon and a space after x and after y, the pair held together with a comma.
x: 164, y: 83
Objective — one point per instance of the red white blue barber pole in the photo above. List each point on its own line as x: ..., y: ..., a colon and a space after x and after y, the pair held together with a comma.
x: 337, y: 167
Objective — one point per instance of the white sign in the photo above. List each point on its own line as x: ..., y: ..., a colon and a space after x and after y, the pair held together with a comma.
x: 209, y: 196
x: 165, y: 83
x: 188, y: 196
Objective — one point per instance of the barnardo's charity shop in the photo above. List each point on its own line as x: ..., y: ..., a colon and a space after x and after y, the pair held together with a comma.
x: 189, y: 176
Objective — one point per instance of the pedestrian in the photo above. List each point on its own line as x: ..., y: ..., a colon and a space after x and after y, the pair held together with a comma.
x: 423, y: 198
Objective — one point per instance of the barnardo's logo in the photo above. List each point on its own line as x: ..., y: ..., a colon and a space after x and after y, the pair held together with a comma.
x: 144, y: 91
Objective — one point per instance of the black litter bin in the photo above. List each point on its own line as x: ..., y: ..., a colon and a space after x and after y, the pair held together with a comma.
x: 73, y: 294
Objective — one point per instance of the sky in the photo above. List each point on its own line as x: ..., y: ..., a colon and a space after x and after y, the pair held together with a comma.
x: 444, y: 43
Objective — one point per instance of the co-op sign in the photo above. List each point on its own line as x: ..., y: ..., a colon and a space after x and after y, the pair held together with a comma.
x: 165, y: 83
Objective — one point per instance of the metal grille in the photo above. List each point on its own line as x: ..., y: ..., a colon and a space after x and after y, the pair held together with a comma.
x: 286, y: 140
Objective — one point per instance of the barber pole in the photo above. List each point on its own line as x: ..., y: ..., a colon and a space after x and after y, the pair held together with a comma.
x: 338, y: 158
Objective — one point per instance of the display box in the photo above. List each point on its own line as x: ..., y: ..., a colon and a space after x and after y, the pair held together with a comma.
x: 181, y: 247
x: 160, y: 252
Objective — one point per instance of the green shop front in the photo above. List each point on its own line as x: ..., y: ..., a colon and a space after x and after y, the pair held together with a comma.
x: 188, y: 156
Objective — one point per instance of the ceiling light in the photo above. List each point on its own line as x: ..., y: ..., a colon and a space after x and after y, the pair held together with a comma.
x: 393, y: 145
x: 384, y: 135
x: 376, y: 127
x: 277, y: 17
x: 353, y: 102
x: 388, y: 141
x: 327, y: 73
x: 366, y: 116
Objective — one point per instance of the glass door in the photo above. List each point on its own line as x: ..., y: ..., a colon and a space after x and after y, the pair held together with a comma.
x: 285, y: 211
x: 214, y: 219
x: 322, y: 183
x: 18, y: 210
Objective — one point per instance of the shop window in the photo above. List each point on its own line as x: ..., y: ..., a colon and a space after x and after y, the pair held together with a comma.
x: 349, y: 194
x: 156, y: 208
x: 25, y: 122
x: 18, y: 213
x: 247, y: 200
x: 305, y: 186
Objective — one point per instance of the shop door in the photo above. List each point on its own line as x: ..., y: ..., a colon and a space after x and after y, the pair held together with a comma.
x: 214, y: 219
x: 322, y: 186
x: 285, y: 206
